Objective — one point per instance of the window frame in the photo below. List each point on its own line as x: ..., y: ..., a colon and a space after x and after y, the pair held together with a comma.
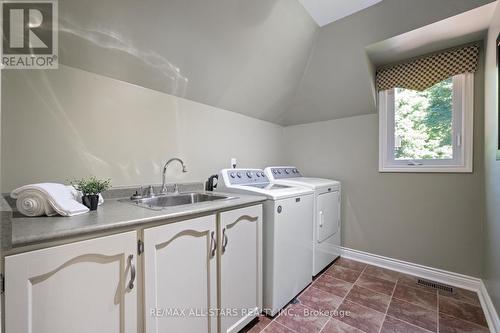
x: 463, y: 126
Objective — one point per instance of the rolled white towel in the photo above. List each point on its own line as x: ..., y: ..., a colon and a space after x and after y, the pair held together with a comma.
x: 54, y: 198
x: 33, y: 203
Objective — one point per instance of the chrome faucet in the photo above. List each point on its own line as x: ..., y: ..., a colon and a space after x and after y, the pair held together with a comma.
x: 164, y: 178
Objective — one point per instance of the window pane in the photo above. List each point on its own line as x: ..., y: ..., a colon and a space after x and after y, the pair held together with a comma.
x: 424, y: 123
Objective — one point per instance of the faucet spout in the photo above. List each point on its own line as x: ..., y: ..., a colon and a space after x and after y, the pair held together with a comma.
x: 164, y: 177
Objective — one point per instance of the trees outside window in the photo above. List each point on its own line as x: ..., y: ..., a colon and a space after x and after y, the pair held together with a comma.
x: 427, y: 131
x: 424, y: 122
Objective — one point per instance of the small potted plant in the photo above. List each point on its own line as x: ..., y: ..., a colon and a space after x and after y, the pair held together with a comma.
x: 91, y: 188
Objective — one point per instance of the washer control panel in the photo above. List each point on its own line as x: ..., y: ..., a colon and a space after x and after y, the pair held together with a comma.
x: 285, y: 172
x: 246, y: 176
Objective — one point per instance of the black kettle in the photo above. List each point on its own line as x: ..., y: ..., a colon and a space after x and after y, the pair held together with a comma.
x: 211, y: 183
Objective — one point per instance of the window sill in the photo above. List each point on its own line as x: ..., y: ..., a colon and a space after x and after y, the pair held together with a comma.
x: 426, y: 169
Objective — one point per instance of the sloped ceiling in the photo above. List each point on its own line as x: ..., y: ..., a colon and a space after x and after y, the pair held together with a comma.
x: 267, y: 59
x: 457, y: 30
x: 338, y: 81
x: 239, y: 55
x: 328, y: 11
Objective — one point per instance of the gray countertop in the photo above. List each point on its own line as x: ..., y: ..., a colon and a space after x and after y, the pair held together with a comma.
x: 112, y: 214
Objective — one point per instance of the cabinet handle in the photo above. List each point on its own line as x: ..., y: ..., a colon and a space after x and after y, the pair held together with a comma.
x: 213, y: 244
x: 224, y: 240
x: 132, y: 272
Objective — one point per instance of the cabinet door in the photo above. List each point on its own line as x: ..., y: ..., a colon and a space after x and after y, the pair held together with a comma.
x: 240, y: 249
x: 79, y: 288
x: 180, y: 277
x: 328, y: 215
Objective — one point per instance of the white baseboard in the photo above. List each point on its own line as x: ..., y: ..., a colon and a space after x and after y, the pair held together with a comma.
x: 489, y: 309
x: 434, y: 274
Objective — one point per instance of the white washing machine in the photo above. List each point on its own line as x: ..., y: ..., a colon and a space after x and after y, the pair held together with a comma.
x: 326, y: 233
x: 287, y: 233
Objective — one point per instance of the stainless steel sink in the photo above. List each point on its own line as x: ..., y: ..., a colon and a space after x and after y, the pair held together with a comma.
x: 169, y: 200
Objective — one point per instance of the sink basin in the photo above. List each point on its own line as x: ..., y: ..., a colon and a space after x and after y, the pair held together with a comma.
x: 169, y: 200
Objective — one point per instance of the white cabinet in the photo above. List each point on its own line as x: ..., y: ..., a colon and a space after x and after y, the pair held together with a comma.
x: 79, y: 288
x: 180, y: 277
x: 188, y: 271
x: 194, y: 268
x: 240, y: 260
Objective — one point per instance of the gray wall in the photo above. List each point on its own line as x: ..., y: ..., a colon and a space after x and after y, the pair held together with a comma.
x: 491, y: 231
x: 338, y: 80
x: 239, y: 55
x: 66, y: 123
x: 429, y: 219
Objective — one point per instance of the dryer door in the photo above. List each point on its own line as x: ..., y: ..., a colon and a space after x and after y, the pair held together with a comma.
x: 328, y: 215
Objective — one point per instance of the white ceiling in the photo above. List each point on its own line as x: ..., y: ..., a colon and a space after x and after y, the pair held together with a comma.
x: 328, y: 11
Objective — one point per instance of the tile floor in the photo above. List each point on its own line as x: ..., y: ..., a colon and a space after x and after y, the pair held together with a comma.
x: 354, y: 297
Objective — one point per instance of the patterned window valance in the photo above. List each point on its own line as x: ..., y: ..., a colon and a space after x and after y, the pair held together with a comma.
x: 423, y: 73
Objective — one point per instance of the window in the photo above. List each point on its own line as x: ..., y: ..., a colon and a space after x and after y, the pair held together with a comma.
x: 427, y: 131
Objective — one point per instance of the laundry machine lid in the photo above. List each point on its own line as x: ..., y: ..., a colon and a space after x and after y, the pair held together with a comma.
x: 309, y: 182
